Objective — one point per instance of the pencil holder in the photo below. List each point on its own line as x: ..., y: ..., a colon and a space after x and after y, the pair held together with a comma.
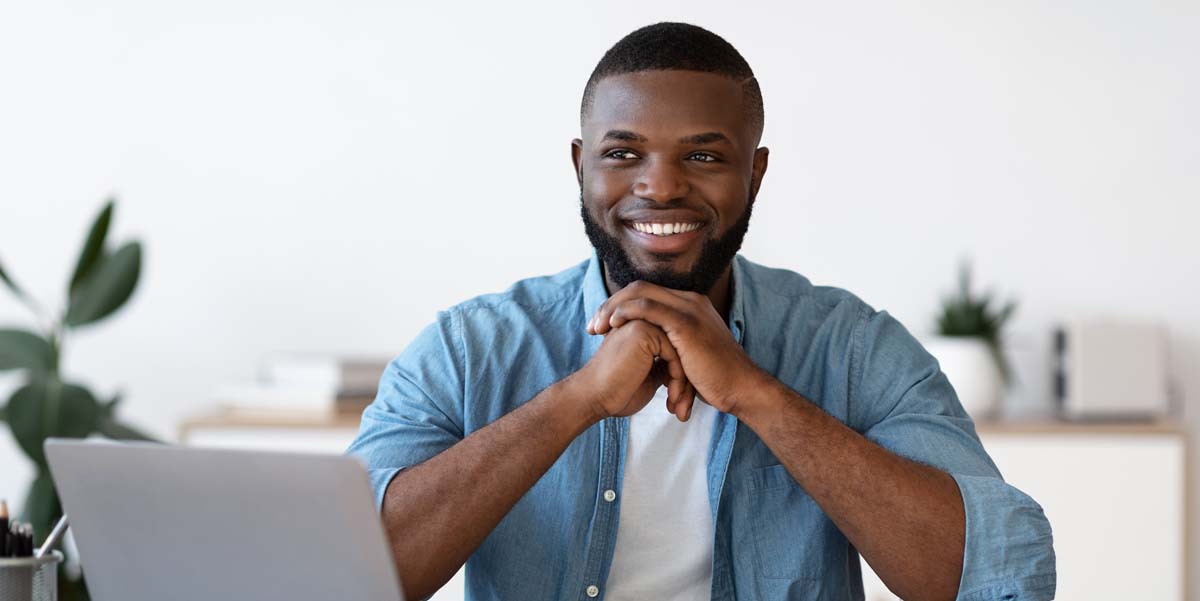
x: 30, y: 578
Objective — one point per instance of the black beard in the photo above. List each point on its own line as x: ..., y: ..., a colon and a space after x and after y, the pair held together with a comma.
x: 715, y: 256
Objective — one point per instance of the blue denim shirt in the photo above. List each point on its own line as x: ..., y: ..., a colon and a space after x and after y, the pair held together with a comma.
x: 484, y: 357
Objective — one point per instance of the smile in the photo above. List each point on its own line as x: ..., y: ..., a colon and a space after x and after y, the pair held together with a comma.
x: 664, y: 229
x: 662, y: 238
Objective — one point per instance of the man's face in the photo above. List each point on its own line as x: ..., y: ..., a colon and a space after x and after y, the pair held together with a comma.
x: 668, y: 171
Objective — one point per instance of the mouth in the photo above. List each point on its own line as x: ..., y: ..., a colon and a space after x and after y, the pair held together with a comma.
x: 665, y: 237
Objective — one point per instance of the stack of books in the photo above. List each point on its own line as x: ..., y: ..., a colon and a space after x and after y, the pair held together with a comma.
x: 308, y: 383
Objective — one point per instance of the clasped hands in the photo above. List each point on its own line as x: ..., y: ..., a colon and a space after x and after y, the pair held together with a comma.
x: 656, y: 336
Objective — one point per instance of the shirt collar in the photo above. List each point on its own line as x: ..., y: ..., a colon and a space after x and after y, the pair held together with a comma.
x: 595, y: 292
x: 737, y: 304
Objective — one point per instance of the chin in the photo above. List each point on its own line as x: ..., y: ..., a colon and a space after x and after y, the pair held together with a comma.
x: 673, y: 264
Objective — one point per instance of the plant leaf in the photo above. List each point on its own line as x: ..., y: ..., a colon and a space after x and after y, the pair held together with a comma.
x: 1006, y: 313
x: 45, y: 407
x: 10, y: 283
x: 964, y: 280
x: 24, y: 418
x: 974, y: 316
x: 93, y: 247
x: 107, y: 287
x: 118, y: 431
x: 20, y: 349
x: 109, y: 408
x: 42, y: 507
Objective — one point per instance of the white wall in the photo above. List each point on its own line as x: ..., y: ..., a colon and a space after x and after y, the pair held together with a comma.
x: 326, y: 176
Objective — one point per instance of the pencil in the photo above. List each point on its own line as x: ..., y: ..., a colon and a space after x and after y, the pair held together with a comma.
x: 3, y: 528
x: 3, y: 514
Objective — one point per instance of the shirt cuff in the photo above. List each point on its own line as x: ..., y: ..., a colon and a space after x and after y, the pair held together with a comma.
x: 380, y: 478
x: 1009, y: 552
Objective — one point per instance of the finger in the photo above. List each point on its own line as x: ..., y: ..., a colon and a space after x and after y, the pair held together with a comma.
x: 682, y: 395
x: 678, y: 403
x: 599, y: 323
x: 665, y: 316
x: 683, y: 408
x: 676, y: 388
x: 673, y: 374
x: 636, y: 293
x: 665, y: 351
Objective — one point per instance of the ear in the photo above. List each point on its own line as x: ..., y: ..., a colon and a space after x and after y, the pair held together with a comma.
x: 759, y: 169
x: 577, y: 159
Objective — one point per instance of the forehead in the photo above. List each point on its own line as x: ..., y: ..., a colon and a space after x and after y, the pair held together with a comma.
x: 668, y: 104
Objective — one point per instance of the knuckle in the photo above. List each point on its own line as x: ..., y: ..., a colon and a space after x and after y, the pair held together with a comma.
x: 620, y: 310
x: 639, y: 326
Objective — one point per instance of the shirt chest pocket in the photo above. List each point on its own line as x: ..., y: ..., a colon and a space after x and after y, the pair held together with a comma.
x: 793, y: 538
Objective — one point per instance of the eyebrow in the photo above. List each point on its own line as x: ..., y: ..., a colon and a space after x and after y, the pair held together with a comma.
x: 704, y: 138
x: 623, y: 135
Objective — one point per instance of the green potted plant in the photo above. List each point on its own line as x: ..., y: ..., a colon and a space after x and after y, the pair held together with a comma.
x: 47, y: 404
x: 969, y: 346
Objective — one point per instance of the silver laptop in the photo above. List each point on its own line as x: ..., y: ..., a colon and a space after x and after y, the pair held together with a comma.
x: 155, y: 522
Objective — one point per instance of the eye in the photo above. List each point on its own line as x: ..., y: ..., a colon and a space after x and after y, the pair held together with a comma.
x: 616, y: 154
x: 704, y: 157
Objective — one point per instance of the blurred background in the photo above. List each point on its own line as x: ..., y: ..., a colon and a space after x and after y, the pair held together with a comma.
x: 321, y: 178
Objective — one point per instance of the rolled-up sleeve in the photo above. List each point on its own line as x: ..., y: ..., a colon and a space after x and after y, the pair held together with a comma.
x: 901, y: 400
x: 418, y: 410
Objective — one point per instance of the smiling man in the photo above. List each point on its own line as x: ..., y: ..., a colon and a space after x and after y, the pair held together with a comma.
x: 669, y: 420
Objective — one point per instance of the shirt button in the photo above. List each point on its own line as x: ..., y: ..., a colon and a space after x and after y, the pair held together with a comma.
x: 609, y: 495
x: 593, y: 591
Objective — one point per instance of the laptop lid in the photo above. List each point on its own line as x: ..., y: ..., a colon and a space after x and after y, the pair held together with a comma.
x: 155, y: 522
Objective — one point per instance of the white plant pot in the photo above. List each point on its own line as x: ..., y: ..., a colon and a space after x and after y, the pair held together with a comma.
x: 972, y: 370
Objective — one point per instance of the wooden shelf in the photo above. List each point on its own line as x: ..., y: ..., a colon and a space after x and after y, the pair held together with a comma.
x: 246, y: 419
x: 331, y: 420
x: 1056, y: 426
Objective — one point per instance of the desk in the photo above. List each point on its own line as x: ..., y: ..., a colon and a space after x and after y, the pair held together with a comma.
x: 1115, y: 494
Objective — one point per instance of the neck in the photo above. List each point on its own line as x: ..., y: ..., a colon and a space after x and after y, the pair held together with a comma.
x: 720, y: 295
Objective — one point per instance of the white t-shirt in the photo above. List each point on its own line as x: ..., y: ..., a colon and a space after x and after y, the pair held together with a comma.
x: 665, y: 532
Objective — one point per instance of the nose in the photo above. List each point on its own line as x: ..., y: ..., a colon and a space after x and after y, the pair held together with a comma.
x: 661, y: 181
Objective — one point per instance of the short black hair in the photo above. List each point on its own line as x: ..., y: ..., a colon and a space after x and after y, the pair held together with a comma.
x: 676, y: 47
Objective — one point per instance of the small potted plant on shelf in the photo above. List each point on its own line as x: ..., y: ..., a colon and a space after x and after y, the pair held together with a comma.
x: 969, y: 347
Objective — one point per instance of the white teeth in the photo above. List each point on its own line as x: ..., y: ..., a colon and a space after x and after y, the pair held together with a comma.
x: 665, y: 229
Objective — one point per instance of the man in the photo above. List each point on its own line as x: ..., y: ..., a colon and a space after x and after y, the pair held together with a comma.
x: 669, y: 420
